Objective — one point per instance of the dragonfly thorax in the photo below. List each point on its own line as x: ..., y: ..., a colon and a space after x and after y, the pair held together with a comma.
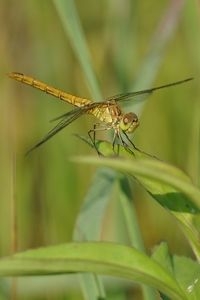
x: 129, y: 122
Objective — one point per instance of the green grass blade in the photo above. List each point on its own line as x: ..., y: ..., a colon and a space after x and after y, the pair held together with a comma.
x: 74, y: 31
x: 102, y: 258
x: 94, y: 206
x: 163, y: 34
x: 168, y: 185
x: 185, y: 270
x: 132, y: 227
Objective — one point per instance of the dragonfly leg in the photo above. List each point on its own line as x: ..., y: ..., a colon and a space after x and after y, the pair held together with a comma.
x: 125, y: 145
x: 122, y: 142
x: 101, y: 127
x: 92, y: 135
x: 136, y: 148
x: 115, y: 144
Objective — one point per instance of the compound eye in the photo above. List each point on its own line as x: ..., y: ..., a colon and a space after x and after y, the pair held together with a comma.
x: 130, y: 118
x: 129, y: 122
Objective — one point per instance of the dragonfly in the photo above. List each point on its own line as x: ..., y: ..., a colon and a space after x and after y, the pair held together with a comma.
x: 108, y: 111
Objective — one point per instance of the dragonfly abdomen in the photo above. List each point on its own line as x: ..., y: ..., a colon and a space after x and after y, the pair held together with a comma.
x: 74, y: 100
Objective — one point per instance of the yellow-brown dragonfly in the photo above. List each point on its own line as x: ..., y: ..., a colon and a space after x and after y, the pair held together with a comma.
x: 107, y: 111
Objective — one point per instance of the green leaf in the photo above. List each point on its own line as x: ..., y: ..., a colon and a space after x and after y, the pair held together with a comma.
x: 187, y: 273
x: 94, y: 208
x: 162, y: 256
x: 168, y: 185
x: 185, y: 270
x: 160, y: 179
x: 102, y: 258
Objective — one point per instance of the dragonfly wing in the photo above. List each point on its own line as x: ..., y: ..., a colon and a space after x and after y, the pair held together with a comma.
x: 127, y: 96
x: 67, y: 119
x: 84, y: 108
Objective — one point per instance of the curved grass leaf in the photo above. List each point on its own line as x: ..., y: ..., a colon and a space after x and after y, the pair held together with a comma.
x: 102, y: 258
x: 160, y: 179
x: 168, y: 185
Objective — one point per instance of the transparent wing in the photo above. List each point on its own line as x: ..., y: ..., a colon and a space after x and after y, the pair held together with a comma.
x: 127, y: 96
x: 66, y: 119
x: 85, y: 109
x: 67, y: 114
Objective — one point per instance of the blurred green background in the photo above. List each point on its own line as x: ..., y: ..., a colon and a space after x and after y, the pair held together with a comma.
x: 132, y: 45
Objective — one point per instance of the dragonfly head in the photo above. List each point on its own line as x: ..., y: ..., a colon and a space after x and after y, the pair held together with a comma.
x: 129, y: 122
